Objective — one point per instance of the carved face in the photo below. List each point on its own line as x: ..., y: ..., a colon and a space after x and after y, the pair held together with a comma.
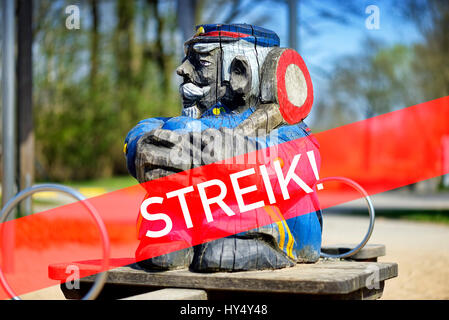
x: 201, y: 71
x: 220, y: 72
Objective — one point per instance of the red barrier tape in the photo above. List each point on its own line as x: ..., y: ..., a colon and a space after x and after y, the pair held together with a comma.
x: 381, y: 153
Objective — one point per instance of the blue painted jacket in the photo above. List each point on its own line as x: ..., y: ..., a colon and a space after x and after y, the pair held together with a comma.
x: 298, y: 237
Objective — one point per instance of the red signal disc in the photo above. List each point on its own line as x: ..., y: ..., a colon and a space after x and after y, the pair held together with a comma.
x: 291, y: 112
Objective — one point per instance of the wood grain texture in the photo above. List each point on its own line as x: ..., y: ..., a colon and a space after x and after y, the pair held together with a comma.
x: 325, y: 277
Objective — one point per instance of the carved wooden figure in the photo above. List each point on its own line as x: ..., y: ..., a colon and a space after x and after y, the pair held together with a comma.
x: 238, y: 84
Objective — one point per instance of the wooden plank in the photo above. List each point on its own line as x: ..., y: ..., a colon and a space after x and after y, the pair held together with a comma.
x: 323, y: 277
x: 368, y: 252
x: 361, y: 294
x: 171, y: 294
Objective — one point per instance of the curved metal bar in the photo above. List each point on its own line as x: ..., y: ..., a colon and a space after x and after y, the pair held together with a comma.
x: 102, y: 276
x: 372, y: 216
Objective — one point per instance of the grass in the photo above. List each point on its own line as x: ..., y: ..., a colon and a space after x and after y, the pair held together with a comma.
x: 110, y: 184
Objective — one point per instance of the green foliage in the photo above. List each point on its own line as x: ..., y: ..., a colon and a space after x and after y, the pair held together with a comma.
x: 92, y: 85
x: 109, y: 184
x: 378, y: 81
x: 384, y: 78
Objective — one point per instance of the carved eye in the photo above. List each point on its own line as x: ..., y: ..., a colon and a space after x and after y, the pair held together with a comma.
x: 205, y: 62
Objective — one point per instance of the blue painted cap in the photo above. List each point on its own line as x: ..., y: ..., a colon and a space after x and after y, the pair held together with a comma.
x: 234, y: 32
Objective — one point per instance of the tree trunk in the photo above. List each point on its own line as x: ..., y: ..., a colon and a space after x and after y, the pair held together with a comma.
x: 95, y: 42
x: 125, y: 41
x: 24, y: 100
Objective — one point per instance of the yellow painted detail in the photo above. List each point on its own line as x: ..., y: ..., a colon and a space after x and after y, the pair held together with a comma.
x: 124, y: 148
x: 273, y: 215
x: 290, y: 236
x: 199, y: 31
x: 216, y: 111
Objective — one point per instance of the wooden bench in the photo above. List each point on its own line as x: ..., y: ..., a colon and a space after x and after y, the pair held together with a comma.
x: 326, y: 279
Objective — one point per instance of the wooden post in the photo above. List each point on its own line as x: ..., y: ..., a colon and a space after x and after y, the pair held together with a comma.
x: 292, y: 24
x: 24, y: 100
x: 8, y: 129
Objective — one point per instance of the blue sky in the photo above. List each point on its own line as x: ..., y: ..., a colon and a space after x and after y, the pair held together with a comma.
x: 321, y: 50
x: 333, y: 40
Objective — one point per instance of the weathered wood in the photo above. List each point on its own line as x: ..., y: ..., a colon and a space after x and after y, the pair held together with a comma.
x: 171, y: 294
x: 326, y: 277
x: 361, y: 294
x: 266, y: 117
x: 285, y: 81
x: 369, y: 252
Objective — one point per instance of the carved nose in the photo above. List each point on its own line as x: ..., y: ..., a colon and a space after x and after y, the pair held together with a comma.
x: 180, y: 70
x: 183, y: 69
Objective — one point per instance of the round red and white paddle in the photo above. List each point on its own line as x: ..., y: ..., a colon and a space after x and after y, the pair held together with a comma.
x: 286, y: 81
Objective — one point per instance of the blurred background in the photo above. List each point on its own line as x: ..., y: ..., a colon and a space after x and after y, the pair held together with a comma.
x: 88, y: 71
x: 91, y: 85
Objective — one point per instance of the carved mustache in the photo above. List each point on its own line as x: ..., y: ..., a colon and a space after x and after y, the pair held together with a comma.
x: 191, y: 92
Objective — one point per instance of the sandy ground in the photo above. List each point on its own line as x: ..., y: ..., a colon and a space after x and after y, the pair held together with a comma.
x: 420, y: 249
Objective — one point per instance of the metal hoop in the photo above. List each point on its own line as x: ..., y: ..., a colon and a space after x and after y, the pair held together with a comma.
x: 102, y: 276
x: 371, y: 211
